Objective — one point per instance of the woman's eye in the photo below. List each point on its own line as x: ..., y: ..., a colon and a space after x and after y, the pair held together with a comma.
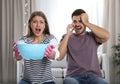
x: 41, y: 22
x: 34, y: 21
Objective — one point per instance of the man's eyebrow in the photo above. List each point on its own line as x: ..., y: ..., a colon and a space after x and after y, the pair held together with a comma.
x: 74, y: 20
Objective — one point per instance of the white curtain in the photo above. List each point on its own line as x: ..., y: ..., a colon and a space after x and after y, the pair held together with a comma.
x: 111, y: 22
x: 13, y: 20
x: 12, y: 24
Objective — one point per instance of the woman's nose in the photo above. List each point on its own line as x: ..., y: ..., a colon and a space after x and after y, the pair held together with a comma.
x: 38, y: 24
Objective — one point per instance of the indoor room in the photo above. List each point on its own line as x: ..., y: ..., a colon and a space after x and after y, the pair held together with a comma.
x: 14, y: 18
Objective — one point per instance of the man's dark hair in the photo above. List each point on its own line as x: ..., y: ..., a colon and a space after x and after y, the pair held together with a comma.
x: 78, y: 12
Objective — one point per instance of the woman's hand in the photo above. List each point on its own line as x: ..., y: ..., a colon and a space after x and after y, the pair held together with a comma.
x: 50, y: 53
x: 16, y: 51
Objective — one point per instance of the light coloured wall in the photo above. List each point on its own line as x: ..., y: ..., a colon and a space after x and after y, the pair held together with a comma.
x: 59, y: 12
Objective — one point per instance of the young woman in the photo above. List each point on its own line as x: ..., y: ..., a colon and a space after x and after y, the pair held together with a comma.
x: 37, y: 71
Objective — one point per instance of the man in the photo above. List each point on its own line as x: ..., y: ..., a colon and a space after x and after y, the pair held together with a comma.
x: 80, y: 46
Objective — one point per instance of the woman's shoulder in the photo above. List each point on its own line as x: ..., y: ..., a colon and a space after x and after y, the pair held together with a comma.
x: 26, y: 39
x: 23, y: 37
x: 51, y: 36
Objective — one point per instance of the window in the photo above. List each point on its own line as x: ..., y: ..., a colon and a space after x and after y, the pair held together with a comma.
x: 59, y: 12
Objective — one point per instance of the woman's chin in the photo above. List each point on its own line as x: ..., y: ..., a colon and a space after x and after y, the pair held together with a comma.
x: 37, y: 33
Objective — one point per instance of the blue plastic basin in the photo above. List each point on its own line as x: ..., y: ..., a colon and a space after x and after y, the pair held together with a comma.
x: 32, y: 51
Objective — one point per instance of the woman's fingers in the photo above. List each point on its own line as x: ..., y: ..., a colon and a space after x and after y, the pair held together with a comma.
x: 49, y: 50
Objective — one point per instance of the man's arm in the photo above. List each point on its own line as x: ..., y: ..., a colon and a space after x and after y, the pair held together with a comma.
x: 101, y: 35
x: 63, y: 48
x: 63, y: 44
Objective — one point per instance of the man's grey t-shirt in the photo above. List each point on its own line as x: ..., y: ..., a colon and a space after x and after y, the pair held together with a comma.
x: 82, y: 55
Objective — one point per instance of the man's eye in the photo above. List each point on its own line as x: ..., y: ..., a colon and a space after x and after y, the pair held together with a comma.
x: 80, y: 21
x: 74, y: 22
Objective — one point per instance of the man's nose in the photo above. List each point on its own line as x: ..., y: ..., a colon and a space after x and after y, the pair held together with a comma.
x: 77, y: 24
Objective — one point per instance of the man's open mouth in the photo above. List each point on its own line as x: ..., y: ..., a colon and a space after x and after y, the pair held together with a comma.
x: 78, y: 28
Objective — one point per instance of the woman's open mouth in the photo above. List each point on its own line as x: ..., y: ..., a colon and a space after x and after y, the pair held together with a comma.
x: 37, y: 30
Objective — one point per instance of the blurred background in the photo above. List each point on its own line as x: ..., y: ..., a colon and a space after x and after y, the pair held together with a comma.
x: 15, y: 13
